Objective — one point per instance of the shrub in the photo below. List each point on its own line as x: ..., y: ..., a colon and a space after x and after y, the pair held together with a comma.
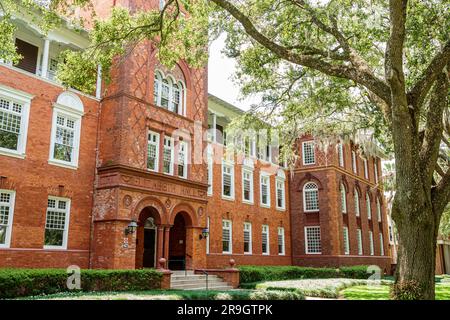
x: 249, y: 274
x: 28, y: 282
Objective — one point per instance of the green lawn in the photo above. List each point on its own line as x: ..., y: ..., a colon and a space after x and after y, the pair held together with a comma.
x: 382, y: 292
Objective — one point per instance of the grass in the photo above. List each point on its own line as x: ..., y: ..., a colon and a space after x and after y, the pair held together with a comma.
x: 382, y: 292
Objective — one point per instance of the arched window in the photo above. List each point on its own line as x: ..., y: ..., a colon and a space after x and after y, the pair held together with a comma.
x: 378, y: 209
x: 311, y: 197
x: 369, y: 209
x: 343, y: 198
x: 169, y: 93
x: 356, y: 197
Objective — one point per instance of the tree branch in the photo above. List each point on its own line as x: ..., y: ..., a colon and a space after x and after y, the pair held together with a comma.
x: 441, y: 194
x: 434, y: 126
x: 417, y: 94
x: 377, y: 86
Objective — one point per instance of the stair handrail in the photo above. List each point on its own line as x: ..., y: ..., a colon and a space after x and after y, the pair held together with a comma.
x: 205, y: 273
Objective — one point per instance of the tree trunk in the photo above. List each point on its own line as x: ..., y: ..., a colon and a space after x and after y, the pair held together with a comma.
x: 416, y: 253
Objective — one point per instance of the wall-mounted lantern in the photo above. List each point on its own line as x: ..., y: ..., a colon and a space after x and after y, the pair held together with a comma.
x: 205, y: 233
x: 131, y: 228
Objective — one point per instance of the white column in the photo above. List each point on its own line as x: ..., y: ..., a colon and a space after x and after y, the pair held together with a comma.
x: 44, y: 68
x: 98, y: 92
x: 214, y: 127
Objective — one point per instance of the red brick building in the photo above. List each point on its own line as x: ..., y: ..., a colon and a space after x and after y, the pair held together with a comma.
x: 132, y: 175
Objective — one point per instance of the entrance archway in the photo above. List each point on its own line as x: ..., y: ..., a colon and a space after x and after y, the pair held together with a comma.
x: 148, y: 238
x: 177, y: 244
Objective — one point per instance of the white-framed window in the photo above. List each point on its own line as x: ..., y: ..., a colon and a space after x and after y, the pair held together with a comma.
x: 346, y: 241
x: 66, y: 129
x: 57, y: 223
x: 372, y: 252
x: 210, y: 169
x: 343, y: 198
x: 183, y: 151
x: 378, y: 209
x: 354, y: 164
x: 153, y: 151
x: 264, y: 190
x: 249, y: 146
x: 14, y: 113
x: 281, y: 194
x: 368, y: 207
x: 381, y: 245
x: 227, y: 235
x: 7, y: 201
x: 247, y: 185
x: 247, y: 238
x: 209, y: 234
x: 366, y: 169
x: 308, y: 152
x: 359, y: 239
x: 375, y: 169
x: 169, y: 93
x: 281, y: 242
x: 356, y: 197
x: 341, y: 154
x: 168, y: 155
x: 265, y: 240
x: 312, y: 240
x: 227, y: 181
x: 311, y: 197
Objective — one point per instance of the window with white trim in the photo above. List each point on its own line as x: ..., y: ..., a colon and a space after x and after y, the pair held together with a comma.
x: 381, y: 245
x: 169, y: 93
x: 247, y: 185
x: 57, y: 223
x: 227, y: 236
x: 281, y: 242
x: 366, y: 169
x: 280, y: 193
x: 7, y: 199
x: 341, y: 154
x: 168, y: 155
x: 312, y: 240
x: 210, y: 169
x: 354, y: 164
x: 14, y: 112
x: 346, y: 241
x: 378, y: 209
x: 66, y: 129
x: 343, y: 198
x: 375, y: 169
x: 153, y: 151
x: 372, y: 252
x: 247, y: 238
x: 308, y: 152
x: 311, y: 197
x: 356, y: 197
x: 227, y: 181
x: 265, y: 240
x: 359, y: 239
x: 183, y: 151
x: 64, y: 143
x: 264, y: 190
x: 368, y: 207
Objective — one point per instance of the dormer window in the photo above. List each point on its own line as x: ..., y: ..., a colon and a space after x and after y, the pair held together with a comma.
x: 169, y: 93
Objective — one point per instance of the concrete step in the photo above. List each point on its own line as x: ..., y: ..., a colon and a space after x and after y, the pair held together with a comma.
x: 202, y: 287
x: 195, y: 282
x: 193, y: 277
x: 182, y: 272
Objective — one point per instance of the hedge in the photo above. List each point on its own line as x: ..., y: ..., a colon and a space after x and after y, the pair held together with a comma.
x: 250, y: 274
x: 30, y: 282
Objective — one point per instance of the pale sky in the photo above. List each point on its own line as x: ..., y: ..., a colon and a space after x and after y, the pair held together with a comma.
x: 220, y: 72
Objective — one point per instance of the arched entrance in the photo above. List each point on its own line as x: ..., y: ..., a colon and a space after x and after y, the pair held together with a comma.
x: 148, y: 238
x: 177, y: 243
